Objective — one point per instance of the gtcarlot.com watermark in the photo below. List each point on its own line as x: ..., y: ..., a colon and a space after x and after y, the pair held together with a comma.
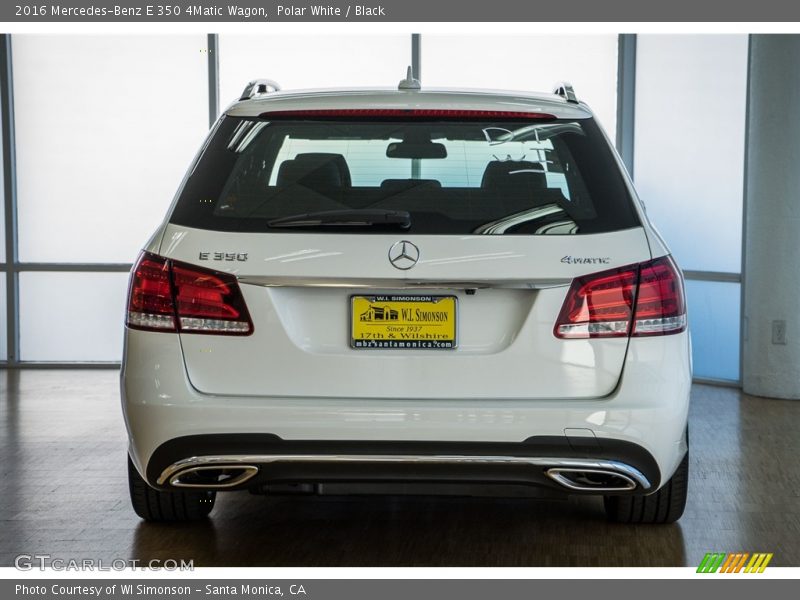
x: 30, y: 562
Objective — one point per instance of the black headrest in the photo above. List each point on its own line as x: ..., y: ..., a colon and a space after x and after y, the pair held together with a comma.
x: 316, y: 170
x: 502, y: 173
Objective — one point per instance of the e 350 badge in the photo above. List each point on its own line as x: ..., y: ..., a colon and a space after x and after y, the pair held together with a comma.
x: 224, y: 256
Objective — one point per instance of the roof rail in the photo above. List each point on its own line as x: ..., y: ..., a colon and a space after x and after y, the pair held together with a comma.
x: 566, y: 91
x: 258, y: 87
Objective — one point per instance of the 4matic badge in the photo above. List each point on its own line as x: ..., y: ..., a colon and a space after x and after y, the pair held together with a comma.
x: 586, y: 260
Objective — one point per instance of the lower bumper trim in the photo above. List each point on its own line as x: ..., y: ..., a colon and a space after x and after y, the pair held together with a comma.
x: 255, y: 460
x: 553, y: 467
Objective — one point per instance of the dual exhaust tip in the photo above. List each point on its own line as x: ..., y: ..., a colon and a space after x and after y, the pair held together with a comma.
x: 213, y: 477
x: 588, y: 480
x: 219, y: 477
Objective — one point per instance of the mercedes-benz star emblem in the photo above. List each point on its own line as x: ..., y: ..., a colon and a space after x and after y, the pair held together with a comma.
x: 403, y: 255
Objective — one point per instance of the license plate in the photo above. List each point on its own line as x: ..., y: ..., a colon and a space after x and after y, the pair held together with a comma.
x: 403, y: 322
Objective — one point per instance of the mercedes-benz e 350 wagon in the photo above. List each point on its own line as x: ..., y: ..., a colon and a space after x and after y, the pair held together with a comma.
x: 406, y: 286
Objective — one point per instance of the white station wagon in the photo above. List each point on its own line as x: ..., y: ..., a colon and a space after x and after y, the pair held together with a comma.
x: 423, y: 287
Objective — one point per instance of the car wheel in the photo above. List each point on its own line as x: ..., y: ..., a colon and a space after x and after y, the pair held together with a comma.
x: 664, y: 506
x: 154, y: 505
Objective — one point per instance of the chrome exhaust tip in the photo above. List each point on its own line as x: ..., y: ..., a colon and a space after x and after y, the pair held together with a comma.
x: 591, y: 480
x: 213, y: 477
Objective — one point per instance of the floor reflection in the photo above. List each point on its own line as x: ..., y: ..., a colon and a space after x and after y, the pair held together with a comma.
x: 409, y: 531
x: 63, y: 443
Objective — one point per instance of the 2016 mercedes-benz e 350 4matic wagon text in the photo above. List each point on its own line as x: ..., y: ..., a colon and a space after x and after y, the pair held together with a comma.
x: 411, y: 286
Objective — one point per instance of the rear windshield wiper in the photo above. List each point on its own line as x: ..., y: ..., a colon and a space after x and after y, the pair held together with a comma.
x: 351, y: 217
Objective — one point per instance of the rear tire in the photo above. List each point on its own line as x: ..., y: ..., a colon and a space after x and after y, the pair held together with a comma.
x: 167, y: 507
x: 664, y: 506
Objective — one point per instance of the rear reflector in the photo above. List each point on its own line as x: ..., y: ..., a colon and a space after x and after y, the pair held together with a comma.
x: 639, y: 300
x: 413, y: 113
x: 171, y: 296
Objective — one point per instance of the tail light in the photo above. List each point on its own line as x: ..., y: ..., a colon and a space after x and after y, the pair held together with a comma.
x: 171, y: 296
x: 660, y: 303
x: 150, y: 302
x: 638, y: 300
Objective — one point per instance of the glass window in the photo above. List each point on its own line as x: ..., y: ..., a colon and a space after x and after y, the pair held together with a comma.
x: 2, y: 204
x: 689, y: 150
x: 72, y: 316
x: 106, y: 127
x: 304, y: 61
x: 528, y: 62
x: 3, y: 327
x: 458, y: 176
x: 2, y: 222
x: 714, y: 322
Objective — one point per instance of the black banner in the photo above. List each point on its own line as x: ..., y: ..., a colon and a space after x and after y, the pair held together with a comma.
x: 418, y: 589
x: 496, y: 11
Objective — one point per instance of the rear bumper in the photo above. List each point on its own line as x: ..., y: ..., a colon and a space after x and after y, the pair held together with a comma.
x: 640, y: 426
x: 253, y: 460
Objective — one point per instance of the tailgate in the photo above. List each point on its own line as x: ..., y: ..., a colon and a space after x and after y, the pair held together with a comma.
x: 508, y: 292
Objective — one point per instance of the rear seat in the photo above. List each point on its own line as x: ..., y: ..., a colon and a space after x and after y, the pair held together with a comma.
x: 518, y: 185
x: 321, y: 172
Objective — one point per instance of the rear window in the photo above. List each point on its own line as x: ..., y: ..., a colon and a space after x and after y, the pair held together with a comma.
x: 532, y: 177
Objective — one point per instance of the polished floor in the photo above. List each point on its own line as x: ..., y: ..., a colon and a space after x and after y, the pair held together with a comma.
x: 64, y: 493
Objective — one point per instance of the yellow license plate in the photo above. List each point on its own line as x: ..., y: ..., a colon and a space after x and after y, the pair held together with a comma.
x: 403, y: 322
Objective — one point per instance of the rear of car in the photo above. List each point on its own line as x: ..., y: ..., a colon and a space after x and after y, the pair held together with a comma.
x: 406, y: 286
